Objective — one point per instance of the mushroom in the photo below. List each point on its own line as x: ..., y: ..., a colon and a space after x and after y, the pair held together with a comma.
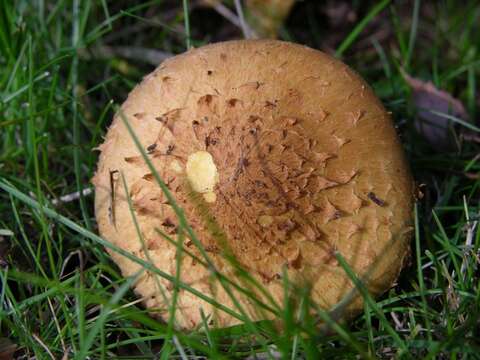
x: 278, y: 154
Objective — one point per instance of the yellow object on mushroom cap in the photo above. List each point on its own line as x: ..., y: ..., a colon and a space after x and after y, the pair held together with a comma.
x: 280, y: 150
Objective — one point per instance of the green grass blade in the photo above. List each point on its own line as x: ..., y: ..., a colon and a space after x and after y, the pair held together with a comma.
x: 89, y: 235
x: 348, y: 41
x: 371, y: 303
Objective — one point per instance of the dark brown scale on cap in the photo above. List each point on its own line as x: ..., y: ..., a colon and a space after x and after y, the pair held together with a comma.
x: 281, y: 161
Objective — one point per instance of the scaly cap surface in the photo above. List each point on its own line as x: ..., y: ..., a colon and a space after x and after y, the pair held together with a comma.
x: 307, y: 163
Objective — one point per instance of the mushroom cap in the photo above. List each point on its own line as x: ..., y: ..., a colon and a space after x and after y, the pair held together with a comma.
x: 279, y: 155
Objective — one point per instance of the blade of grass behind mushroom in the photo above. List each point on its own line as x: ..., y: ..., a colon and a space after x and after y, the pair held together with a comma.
x: 350, y: 38
x: 186, y: 16
x: 75, y: 115
x: 421, y: 282
x: 31, y: 147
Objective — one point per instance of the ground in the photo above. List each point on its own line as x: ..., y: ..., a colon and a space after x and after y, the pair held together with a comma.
x: 64, y: 67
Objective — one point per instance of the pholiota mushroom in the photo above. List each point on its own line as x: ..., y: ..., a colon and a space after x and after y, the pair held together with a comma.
x: 280, y: 156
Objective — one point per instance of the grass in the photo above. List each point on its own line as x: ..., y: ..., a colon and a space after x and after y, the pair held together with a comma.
x: 60, y: 294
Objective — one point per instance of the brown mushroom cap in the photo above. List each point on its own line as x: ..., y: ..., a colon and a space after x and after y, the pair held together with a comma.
x: 282, y: 151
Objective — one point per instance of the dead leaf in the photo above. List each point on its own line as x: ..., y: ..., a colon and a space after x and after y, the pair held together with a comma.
x: 430, y: 101
x: 7, y: 349
x: 340, y: 13
x: 267, y: 16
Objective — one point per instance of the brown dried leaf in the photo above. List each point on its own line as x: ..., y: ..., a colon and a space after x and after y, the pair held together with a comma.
x: 428, y: 98
x: 340, y: 13
x: 7, y: 349
x: 267, y: 16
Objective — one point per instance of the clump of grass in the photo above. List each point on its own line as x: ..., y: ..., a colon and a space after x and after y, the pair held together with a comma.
x: 59, y: 291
